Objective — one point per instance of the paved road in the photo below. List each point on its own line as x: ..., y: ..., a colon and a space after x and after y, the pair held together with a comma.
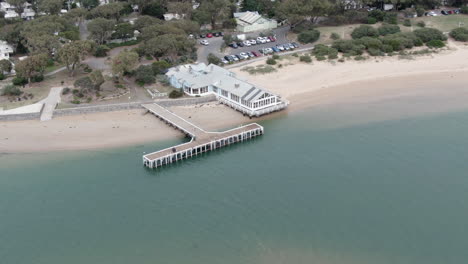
x: 50, y: 103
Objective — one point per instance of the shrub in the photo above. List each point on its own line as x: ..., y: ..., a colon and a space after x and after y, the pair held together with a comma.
x: 320, y: 58
x: 320, y: 50
x: 160, y: 67
x: 364, y: 31
x: 332, y: 54
x: 271, y: 61
x: 371, y: 20
x: 308, y: 36
x: 11, y: 90
x: 391, y: 18
x: 387, y: 48
x: 305, y: 58
x: 435, y: 43
x: 421, y: 24
x: 275, y: 56
x: 407, y: 23
x: 304, y: 26
x: 420, y: 11
x: 66, y: 90
x: 464, y: 10
x: 37, y: 78
x: 75, y: 101
x: 144, y: 75
x: 459, y: 34
x: 379, y: 15
x: 335, y: 36
x: 2, y: 76
x: 375, y: 52
x: 349, y: 46
x: 388, y: 29
x: 20, y: 81
x: 360, y: 58
x: 370, y: 43
x: 176, y: 94
x: 428, y: 34
x: 356, y: 16
x: 213, y: 59
x: 83, y: 83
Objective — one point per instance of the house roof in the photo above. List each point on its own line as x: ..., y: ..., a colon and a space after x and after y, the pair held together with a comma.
x: 201, y: 75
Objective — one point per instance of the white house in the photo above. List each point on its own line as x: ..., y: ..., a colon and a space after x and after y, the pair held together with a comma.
x: 171, y: 16
x: 5, y: 50
x: 253, y: 21
x: 10, y: 11
x: 200, y: 80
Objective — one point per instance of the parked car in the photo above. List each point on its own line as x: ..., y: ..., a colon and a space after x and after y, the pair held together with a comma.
x: 443, y: 12
x: 240, y: 44
x: 239, y: 57
x: 209, y: 35
x: 202, y: 36
x: 456, y: 11
x: 286, y: 47
x: 275, y: 49
x: 228, y: 58
x: 246, y: 43
x: 250, y: 54
x: 280, y: 47
x: 234, y: 58
x: 261, y: 40
x: 252, y: 42
x: 224, y: 61
x: 431, y: 13
x: 221, y: 34
x: 291, y: 46
x: 233, y: 45
x: 256, y: 54
x: 244, y: 55
x: 216, y: 34
x: 204, y: 42
x: 295, y: 45
x: 267, y: 40
x: 267, y: 50
x: 273, y: 39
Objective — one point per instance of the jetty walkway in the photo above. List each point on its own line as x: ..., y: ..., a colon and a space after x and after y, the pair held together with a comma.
x: 202, y: 141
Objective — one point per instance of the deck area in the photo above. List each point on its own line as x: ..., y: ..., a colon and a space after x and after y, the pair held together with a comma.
x: 202, y: 141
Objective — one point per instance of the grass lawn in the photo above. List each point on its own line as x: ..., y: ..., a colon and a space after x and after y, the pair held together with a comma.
x: 444, y: 23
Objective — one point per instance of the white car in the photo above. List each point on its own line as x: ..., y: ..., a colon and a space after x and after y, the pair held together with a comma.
x: 204, y: 42
x: 280, y: 47
x: 261, y: 40
x: 247, y: 43
x: 224, y: 61
x: 234, y: 57
x: 432, y: 13
x: 253, y: 42
x: 244, y: 55
x: 267, y: 39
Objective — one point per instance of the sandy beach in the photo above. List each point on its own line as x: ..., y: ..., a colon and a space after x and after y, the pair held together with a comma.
x: 425, y: 85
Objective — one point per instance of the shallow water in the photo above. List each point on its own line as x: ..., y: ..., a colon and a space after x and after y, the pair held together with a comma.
x: 305, y: 192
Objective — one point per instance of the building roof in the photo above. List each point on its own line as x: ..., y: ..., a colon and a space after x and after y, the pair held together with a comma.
x: 201, y: 75
x: 249, y: 18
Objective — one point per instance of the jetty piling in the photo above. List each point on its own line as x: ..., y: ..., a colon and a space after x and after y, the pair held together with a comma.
x: 201, y: 141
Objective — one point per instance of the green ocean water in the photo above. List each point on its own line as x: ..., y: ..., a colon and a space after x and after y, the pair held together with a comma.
x: 305, y: 192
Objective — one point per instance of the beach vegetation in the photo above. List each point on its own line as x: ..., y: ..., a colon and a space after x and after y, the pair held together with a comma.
x: 19, y: 81
x: 275, y: 57
x: 464, y: 9
x: 271, y: 61
x: 459, y: 34
x: 388, y: 29
x: 428, y: 34
x: 371, y: 20
x: 360, y: 58
x: 305, y: 58
x: 435, y: 43
x: 420, y: 11
x: 260, y: 69
x: 66, y: 91
x: 364, y: 31
x: 407, y: 23
x: 421, y: 24
x: 11, y: 90
x: 335, y: 36
x: 308, y: 36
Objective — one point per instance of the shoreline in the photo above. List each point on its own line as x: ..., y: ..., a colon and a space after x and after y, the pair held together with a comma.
x: 364, y: 91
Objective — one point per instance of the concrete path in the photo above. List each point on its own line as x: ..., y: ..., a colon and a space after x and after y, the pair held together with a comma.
x: 50, y: 103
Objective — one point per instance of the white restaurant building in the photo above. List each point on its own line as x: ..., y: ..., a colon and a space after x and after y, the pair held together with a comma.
x: 200, y: 80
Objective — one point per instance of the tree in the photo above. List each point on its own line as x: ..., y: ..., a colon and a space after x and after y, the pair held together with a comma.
x: 18, y: 4
x: 296, y: 11
x: 5, y: 66
x: 212, y: 11
x: 77, y: 14
x: 31, y: 66
x: 109, y: 11
x: 308, y: 36
x: 100, y: 29
x: 170, y: 46
x: 459, y: 34
x: 160, y: 67
x: 97, y: 79
x: 90, y: 3
x: 73, y: 53
x: 144, y: 74
x: 42, y: 43
x: 212, y: 59
x: 124, y: 62
x: 51, y: 7
x: 146, y: 21
x: 155, y: 9
x: 182, y: 8
x: 364, y: 31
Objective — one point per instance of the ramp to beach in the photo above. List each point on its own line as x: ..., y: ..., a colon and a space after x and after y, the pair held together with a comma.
x: 202, y: 141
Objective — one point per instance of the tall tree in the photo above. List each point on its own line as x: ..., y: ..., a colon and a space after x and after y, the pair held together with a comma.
x: 109, y: 11
x: 169, y: 46
x: 73, y: 53
x: 18, y: 4
x: 124, y: 62
x: 51, y: 7
x: 296, y: 11
x: 5, y: 66
x: 100, y: 29
x: 31, y: 66
x: 213, y: 11
x: 182, y: 8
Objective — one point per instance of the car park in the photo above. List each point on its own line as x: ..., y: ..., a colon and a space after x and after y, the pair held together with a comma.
x: 209, y: 35
x: 204, y: 42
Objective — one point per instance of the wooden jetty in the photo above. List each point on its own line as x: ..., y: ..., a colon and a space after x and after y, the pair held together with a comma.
x: 202, y: 141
